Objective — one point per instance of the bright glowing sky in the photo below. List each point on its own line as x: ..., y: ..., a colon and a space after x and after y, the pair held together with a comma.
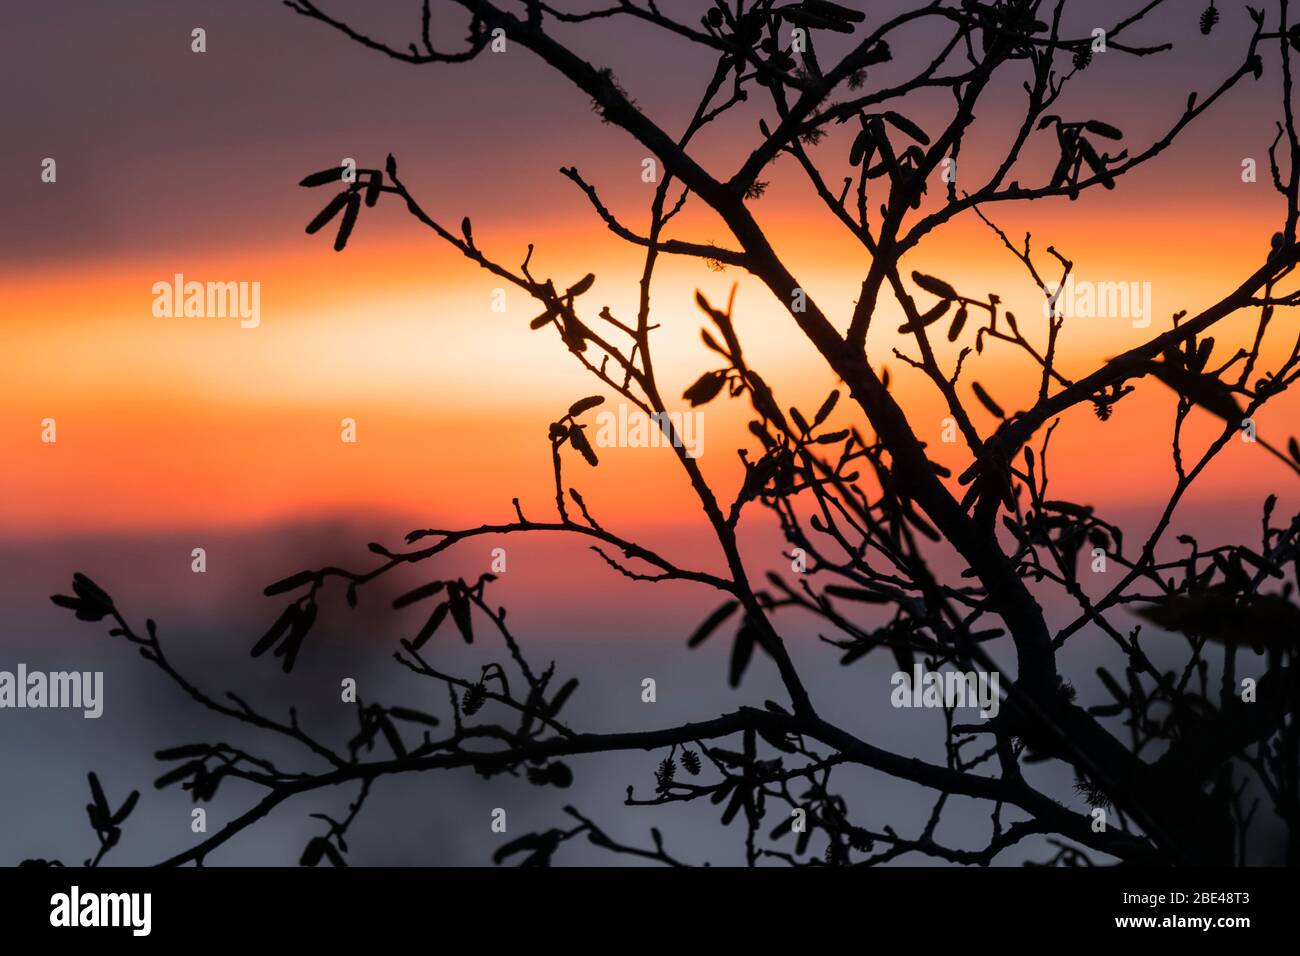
x: 176, y: 162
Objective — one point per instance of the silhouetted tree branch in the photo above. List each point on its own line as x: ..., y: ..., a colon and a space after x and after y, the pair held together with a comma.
x: 1174, y: 754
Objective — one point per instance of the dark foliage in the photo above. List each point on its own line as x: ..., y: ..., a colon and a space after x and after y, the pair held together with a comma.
x: 1178, y: 759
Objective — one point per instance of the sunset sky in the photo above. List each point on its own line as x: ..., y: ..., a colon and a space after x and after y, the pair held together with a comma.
x: 179, y: 432
x: 174, y: 162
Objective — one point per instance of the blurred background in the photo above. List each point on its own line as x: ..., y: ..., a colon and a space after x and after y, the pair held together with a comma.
x: 179, y: 433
